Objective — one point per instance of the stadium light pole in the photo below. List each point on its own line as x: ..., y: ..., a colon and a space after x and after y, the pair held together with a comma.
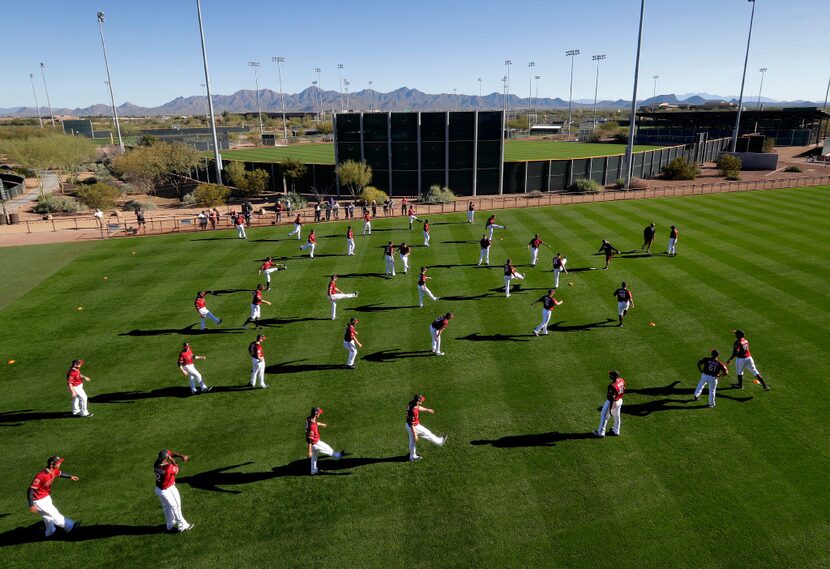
x: 371, y: 98
x: 317, y: 100
x: 217, y: 158
x: 109, y: 81
x: 255, y: 65
x: 507, y: 63
x: 536, y: 99
x: 37, y: 105
x: 455, y: 99
x: 46, y: 88
x: 204, y: 94
x: 826, y: 94
x: 479, y: 92
x: 346, y: 85
x: 279, y: 61
x: 654, y: 93
x: 340, y: 72
x: 530, y: 67
x: 632, y: 121
x: 763, y: 71
x: 734, y: 145
x: 596, y: 58
x: 572, y: 53
x: 319, y: 91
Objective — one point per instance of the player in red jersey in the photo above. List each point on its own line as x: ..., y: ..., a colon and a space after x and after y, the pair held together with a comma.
x: 612, y: 405
x: 422, y: 287
x: 672, y: 249
x: 412, y: 217
x: 534, y: 245
x: 485, y: 243
x: 624, y: 301
x: 203, y: 311
x: 311, y: 243
x: 75, y: 384
x: 744, y: 361
x: 471, y: 212
x: 389, y: 255
x: 317, y: 447
x: 436, y: 329
x: 188, y: 369
x: 510, y: 273
x: 490, y: 225
x: 239, y: 222
x: 336, y: 294
x: 426, y: 233
x: 351, y: 343
x: 559, y: 263
x: 548, y: 304
x: 349, y: 241
x: 165, y: 470
x: 367, y: 223
x: 257, y: 362
x: 404, y: 251
x: 256, y: 303
x: 40, y: 497
x: 268, y: 267
x: 415, y: 429
x: 711, y: 369
x: 609, y: 251
x: 298, y: 228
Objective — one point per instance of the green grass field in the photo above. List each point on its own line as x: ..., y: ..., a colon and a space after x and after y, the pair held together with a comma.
x: 514, y: 151
x: 520, y: 482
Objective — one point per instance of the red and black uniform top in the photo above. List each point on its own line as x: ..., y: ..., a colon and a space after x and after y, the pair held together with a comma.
x: 41, y: 486
x: 410, y: 211
x: 413, y: 415
x: 349, y: 234
x: 266, y: 265
x: 548, y: 303
x: 367, y: 217
x: 557, y: 263
x: 712, y: 366
x: 404, y: 250
x: 422, y: 279
x: 509, y: 270
x: 256, y: 298
x: 199, y: 302
x: 332, y: 288
x: 350, y: 333
x: 255, y: 350
x: 623, y: 295
x: 740, y: 349
x: 472, y: 207
x: 312, y: 433
x: 298, y: 221
x: 608, y: 249
x: 390, y: 250
x: 616, y: 390
x: 440, y: 323
x: 73, y: 377
x: 426, y: 227
x: 165, y: 474
x: 186, y: 356
x: 485, y: 243
x: 648, y: 233
x: 673, y: 233
x: 312, y: 238
x: 535, y: 242
x: 490, y: 220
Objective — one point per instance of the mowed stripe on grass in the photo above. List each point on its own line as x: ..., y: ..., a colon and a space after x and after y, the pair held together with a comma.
x: 520, y: 482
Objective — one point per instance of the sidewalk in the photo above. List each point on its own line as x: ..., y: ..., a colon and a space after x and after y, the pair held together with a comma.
x: 51, y: 183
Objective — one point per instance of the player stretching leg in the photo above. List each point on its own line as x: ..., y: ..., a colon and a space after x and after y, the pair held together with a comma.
x: 711, y: 369
x: 609, y: 251
x: 257, y: 362
x: 415, y: 429
x: 422, y: 287
x: 559, y: 263
x: 298, y: 228
x: 510, y: 274
x: 740, y: 350
x: 404, y: 251
x: 336, y: 294
x: 351, y: 343
x: 268, y: 267
x: 165, y: 469
x: 317, y: 447
x: 75, y: 383
x: 490, y: 225
x: 203, y: 311
x: 310, y: 244
x: 548, y: 304
x: 612, y: 405
x: 534, y: 245
x: 412, y: 217
x: 426, y: 233
x: 436, y: 329
x: 256, y: 303
x: 40, y: 497
x: 186, y: 359
x: 624, y: 301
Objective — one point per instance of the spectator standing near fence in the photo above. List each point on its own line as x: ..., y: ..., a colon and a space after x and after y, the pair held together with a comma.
x: 213, y: 217
x: 139, y: 219
x: 350, y: 211
x: 247, y: 210
x: 203, y: 220
x: 99, y: 217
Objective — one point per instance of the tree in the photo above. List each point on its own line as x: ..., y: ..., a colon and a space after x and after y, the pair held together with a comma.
x: 54, y: 152
x: 325, y: 127
x: 210, y: 195
x: 293, y: 170
x: 354, y: 175
x: 160, y: 163
x: 246, y: 183
x: 98, y: 196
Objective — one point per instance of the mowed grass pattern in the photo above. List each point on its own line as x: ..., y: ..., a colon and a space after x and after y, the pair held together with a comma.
x: 520, y: 483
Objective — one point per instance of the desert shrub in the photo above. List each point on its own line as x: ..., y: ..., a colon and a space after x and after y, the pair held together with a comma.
x: 189, y: 200
x: 586, y: 186
x: 371, y: 193
x: 637, y: 184
x: 620, y: 137
x: 246, y: 183
x: 619, y: 183
x: 50, y: 203
x: 297, y: 201
x: 680, y: 169
x: 793, y: 169
x: 729, y: 165
x: 733, y: 176
x: 135, y: 205
x: 769, y: 145
x: 98, y: 196
x: 437, y: 194
x: 210, y: 195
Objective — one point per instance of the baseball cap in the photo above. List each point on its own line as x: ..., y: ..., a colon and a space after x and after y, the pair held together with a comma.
x: 164, y: 454
x: 739, y: 332
x: 614, y: 373
x: 77, y: 362
x: 54, y: 460
x: 316, y: 410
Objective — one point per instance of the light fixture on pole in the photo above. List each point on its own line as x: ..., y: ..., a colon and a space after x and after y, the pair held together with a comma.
x: 319, y: 91
x: 109, y: 81
x: 632, y: 120
x: 279, y: 61
x: 217, y: 158
x: 371, y: 98
x: 507, y: 64
x: 46, y: 88
x: 255, y: 65
x: 340, y: 73
x: 654, y: 93
x: 763, y: 71
x: 572, y: 53
x: 530, y: 67
x: 479, y: 92
x: 596, y: 58
x: 37, y: 105
x: 826, y: 94
x: 735, y: 133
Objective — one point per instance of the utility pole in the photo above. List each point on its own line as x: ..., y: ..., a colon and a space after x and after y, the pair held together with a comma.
x: 572, y: 53
x: 255, y: 65
x: 763, y: 71
x: 109, y: 81
x: 632, y: 122
x: 217, y: 157
x: 596, y: 58
x: 37, y: 105
x: 279, y: 61
x: 743, y: 81
x: 46, y: 88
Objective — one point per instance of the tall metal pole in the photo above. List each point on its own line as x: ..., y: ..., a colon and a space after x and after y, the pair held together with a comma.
x: 279, y: 61
x: 734, y: 145
x: 826, y: 93
x: 46, y: 88
x: 204, y: 94
x: 217, y: 157
x: 255, y: 65
x: 346, y: 86
x: 571, y: 53
x: 319, y: 91
x: 340, y: 73
x: 536, y: 99
x: 371, y: 98
x: 479, y: 92
x: 763, y: 71
x: 37, y: 105
x: 632, y: 121
x: 109, y: 81
x: 455, y: 99
x: 596, y: 58
x: 507, y: 63
x: 654, y: 93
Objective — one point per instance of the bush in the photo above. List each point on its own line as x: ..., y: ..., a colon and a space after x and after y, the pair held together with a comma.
x: 680, y: 169
x: 246, y: 183
x: 135, y: 205
x: 733, y: 176
x: 210, y: 195
x: 98, y: 196
x: 50, y: 203
x: 436, y: 194
x: 586, y: 186
x: 621, y: 137
x: 769, y: 145
x: 637, y: 184
x: 370, y: 193
x: 619, y: 183
x: 297, y: 201
x: 189, y: 200
x: 729, y: 165
x: 793, y: 169
x: 354, y: 175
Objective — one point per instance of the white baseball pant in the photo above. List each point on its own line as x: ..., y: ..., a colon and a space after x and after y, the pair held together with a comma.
x: 534, y: 254
x: 493, y: 227
x: 423, y: 433
x: 367, y: 228
x: 470, y: 215
x: 337, y: 296
x: 543, y: 326
x: 390, y: 265
x: 436, y: 339
x: 351, y: 347
x: 423, y: 290
x: 240, y: 232
x: 623, y: 306
x: 426, y: 238
x: 171, y: 503
x: 51, y: 516
x: 205, y: 313
x: 255, y: 311
x: 556, y: 277
x: 79, y: 401
x: 268, y: 273
x: 350, y: 246
x: 298, y: 230
x: 485, y: 256
x: 672, y: 250
x: 319, y: 448
x: 195, y: 378
x: 509, y: 278
x: 311, y: 245
x: 412, y: 219
x: 257, y: 372
x: 747, y: 364
x: 610, y: 410
x: 405, y: 259
x: 713, y: 385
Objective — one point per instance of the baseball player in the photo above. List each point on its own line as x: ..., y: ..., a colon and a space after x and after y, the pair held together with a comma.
x: 75, y: 384
x: 257, y: 362
x: 311, y: 243
x: 415, y: 429
x: 559, y: 263
x: 612, y: 405
x: 672, y: 250
x: 491, y: 225
x: 404, y: 251
x: 165, y: 469
x: 40, y: 497
x: 317, y: 447
x: 422, y: 287
x: 609, y: 251
x: 624, y: 301
x: 412, y: 217
x: 510, y: 273
x: 188, y: 369
x: 436, y: 329
x: 268, y: 267
x: 367, y: 223
x: 239, y: 222
x: 426, y: 233
x: 336, y: 294
x: 349, y: 241
x: 711, y: 369
x: 351, y: 343
x: 471, y: 212
x: 203, y: 311
x: 256, y: 303
x: 534, y: 245
x: 485, y: 243
x: 298, y: 228
x: 389, y: 255
x: 548, y: 304
x: 744, y: 361
x: 648, y: 237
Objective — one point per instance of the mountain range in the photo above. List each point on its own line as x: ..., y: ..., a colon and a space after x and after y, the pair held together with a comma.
x: 402, y: 99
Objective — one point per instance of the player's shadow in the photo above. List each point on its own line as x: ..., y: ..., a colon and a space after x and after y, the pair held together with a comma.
x: 561, y: 327
x: 34, y: 533
x: 287, y: 320
x: 186, y: 331
x: 668, y: 390
x: 360, y: 275
x: 476, y: 337
x: 295, y: 366
x: 214, y: 238
x: 394, y: 354
x: 304, y: 255
x: 377, y: 308
x: 581, y: 269
x: 532, y: 440
x: 453, y: 266
x: 637, y: 255
x: 514, y: 289
x: 459, y: 298
x: 221, y: 291
x: 173, y: 391
x: 460, y: 242
x: 17, y: 418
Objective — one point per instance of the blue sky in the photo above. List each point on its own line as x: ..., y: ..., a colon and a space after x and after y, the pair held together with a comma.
x: 435, y: 46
